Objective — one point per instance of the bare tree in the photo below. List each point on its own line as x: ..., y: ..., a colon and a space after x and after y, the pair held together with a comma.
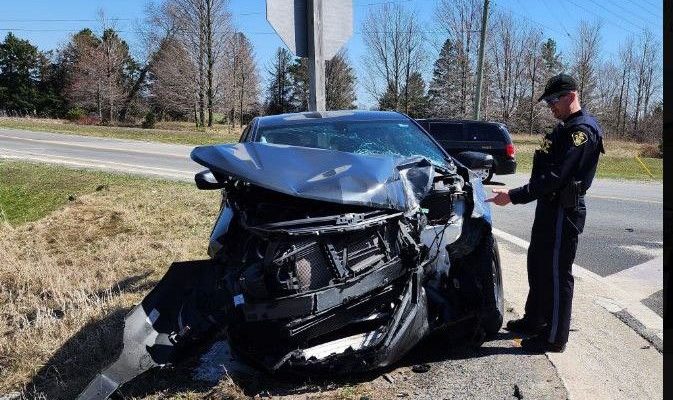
x: 626, y: 58
x: 172, y: 81
x: 534, y: 71
x: 508, y: 46
x: 645, y: 65
x: 586, y: 52
x: 394, y: 49
x: 80, y: 59
x: 100, y: 70
x: 204, y: 27
x: 244, y: 74
x: 460, y: 20
x: 607, y: 103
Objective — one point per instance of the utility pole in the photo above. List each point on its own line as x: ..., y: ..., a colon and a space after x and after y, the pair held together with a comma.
x: 316, y: 57
x: 308, y: 34
x: 480, y: 64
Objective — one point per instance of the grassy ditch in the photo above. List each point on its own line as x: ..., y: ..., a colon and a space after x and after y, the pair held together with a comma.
x: 618, y: 162
x: 77, y: 250
x: 165, y: 132
x: 68, y: 277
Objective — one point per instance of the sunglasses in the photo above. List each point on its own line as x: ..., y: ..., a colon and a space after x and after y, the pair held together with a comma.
x: 552, y: 101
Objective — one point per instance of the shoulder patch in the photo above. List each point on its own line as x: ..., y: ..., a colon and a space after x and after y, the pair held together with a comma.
x: 579, y: 138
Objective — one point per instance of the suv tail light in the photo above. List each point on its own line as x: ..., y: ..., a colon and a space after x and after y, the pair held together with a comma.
x: 511, y: 151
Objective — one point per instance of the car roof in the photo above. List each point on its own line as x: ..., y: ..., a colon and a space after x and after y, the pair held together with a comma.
x: 343, y: 115
x: 469, y: 121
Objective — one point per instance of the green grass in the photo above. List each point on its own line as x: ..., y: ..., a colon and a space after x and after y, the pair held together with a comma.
x: 619, y: 162
x: 180, y: 133
x: 610, y: 167
x: 29, y: 192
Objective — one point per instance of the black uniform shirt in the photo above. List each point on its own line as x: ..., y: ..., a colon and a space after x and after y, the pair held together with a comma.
x: 570, y: 152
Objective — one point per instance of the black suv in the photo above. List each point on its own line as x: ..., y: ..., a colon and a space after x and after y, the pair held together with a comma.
x: 457, y: 136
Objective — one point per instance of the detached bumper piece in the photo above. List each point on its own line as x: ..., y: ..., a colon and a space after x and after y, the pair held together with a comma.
x: 155, y: 331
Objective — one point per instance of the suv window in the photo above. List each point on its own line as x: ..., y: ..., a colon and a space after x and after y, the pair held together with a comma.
x: 447, y: 130
x: 485, y: 133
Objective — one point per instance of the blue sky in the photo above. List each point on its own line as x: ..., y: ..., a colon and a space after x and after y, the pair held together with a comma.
x: 48, y: 23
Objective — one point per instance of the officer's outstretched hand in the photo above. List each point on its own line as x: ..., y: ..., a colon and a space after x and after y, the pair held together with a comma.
x: 501, y: 197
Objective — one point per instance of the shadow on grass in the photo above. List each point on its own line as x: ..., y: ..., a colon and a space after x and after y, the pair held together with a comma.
x: 67, y: 372
x: 94, y: 347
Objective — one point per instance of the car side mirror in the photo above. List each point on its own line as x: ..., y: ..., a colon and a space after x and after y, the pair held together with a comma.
x: 205, y: 180
x: 475, y: 159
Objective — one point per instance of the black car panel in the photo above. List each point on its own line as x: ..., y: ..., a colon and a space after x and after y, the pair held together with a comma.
x: 457, y: 136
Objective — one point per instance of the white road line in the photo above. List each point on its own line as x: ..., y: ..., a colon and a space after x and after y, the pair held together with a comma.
x: 621, y: 294
x: 128, y: 168
x: 643, y: 250
x: 94, y: 147
x: 624, y: 199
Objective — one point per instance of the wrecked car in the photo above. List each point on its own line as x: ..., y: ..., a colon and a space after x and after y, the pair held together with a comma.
x: 343, y: 239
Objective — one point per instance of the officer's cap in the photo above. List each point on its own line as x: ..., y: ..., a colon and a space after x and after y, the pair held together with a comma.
x: 557, y: 86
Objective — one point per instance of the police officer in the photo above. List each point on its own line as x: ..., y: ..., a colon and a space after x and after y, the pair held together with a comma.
x: 563, y: 169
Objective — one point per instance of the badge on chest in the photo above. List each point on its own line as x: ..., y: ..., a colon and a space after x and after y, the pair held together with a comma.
x: 545, y: 145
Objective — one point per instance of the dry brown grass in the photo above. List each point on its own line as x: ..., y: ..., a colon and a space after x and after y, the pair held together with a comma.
x: 613, y: 147
x: 166, y: 132
x: 67, y: 280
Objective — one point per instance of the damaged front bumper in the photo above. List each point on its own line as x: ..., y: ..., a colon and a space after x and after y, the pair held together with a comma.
x: 337, y: 262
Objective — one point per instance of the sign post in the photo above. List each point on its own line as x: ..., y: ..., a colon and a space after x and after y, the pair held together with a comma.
x: 307, y: 33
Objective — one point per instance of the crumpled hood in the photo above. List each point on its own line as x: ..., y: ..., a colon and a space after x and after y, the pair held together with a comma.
x: 334, y: 176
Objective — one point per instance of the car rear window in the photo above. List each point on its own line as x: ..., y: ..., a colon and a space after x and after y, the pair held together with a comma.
x: 486, y: 133
x: 447, y: 130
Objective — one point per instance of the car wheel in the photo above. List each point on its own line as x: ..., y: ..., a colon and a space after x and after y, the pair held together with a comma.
x: 493, y: 302
x: 485, y: 174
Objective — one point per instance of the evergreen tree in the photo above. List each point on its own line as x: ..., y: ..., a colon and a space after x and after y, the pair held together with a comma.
x: 444, y: 90
x: 551, y: 59
x: 300, y: 84
x: 279, y: 91
x: 416, y: 101
x: 388, y: 102
x: 19, y: 75
x: 340, y: 82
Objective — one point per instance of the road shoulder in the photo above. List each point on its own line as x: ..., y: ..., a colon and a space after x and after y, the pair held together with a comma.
x: 605, y: 359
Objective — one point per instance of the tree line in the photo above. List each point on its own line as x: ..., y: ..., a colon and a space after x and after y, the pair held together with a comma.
x: 624, y: 92
x: 195, y: 65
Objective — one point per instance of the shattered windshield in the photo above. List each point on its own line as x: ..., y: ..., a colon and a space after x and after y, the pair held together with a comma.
x: 391, y: 137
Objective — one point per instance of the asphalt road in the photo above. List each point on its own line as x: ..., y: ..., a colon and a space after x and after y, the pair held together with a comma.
x: 624, y: 223
x: 623, y: 228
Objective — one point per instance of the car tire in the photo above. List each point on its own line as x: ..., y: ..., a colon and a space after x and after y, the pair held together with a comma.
x: 493, y: 303
x: 484, y: 174
x: 489, y: 177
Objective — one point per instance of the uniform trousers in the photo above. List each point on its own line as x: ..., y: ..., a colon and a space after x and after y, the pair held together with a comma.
x: 551, y: 255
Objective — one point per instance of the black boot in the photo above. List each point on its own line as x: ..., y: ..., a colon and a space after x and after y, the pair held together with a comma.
x: 525, y: 326
x: 539, y: 344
